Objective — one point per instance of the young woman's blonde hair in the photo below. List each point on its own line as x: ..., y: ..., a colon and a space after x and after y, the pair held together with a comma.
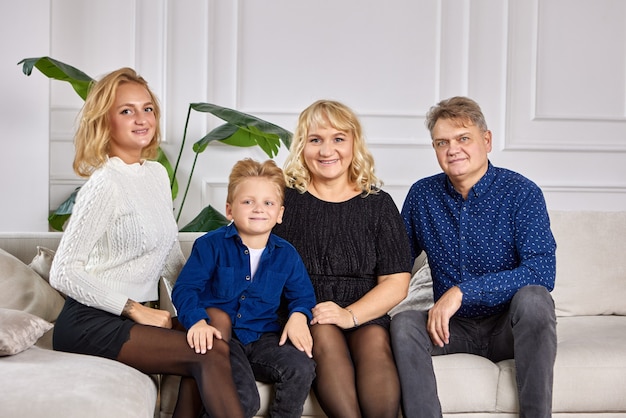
x: 248, y: 168
x: 94, y: 132
x: 329, y: 113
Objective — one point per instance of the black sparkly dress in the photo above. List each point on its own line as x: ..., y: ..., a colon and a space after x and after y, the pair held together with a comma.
x: 346, y: 246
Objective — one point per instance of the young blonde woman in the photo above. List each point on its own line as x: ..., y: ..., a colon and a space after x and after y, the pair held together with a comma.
x: 352, y: 240
x: 120, y: 239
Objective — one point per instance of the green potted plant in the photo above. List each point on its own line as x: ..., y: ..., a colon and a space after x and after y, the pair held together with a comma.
x: 240, y: 129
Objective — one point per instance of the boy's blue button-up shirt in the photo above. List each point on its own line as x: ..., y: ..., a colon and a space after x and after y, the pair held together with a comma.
x: 489, y: 245
x: 217, y: 274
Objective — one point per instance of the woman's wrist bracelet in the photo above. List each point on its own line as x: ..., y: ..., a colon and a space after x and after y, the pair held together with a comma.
x: 354, y: 318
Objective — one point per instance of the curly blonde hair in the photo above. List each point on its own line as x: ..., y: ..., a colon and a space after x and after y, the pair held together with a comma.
x: 94, y: 132
x: 339, y: 116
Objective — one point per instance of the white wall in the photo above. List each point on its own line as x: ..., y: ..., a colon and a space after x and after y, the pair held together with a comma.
x: 24, y: 139
x: 549, y: 74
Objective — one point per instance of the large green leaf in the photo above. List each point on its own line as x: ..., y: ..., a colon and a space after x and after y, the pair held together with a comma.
x: 162, y: 158
x: 208, y: 220
x: 57, y: 70
x: 220, y: 133
x: 58, y: 218
x: 260, y: 131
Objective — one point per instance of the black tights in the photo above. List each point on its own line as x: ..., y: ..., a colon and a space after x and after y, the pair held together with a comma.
x: 207, y: 379
x: 356, y: 372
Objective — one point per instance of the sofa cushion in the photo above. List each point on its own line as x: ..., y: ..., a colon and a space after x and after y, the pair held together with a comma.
x: 590, y: 368
x: 53, y: 384
x: 457, y: 377
x: 591, y: 279
x: 19, y: 330
x: 23, y: 289
x: 420, y: 295
x: 42, y: 262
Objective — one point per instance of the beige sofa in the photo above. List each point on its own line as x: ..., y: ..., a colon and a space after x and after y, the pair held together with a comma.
x: 590, y: 370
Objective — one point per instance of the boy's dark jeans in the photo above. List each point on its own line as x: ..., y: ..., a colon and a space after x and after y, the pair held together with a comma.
x: 289, y: 369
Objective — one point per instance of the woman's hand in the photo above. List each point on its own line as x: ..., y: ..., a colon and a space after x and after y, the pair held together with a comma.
x: 200, y: 336
x: 331, y: 313
x: 147, y: 316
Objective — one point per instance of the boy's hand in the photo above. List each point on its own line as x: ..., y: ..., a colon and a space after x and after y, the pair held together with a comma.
x: 200, y: 336
x: 297, y: 330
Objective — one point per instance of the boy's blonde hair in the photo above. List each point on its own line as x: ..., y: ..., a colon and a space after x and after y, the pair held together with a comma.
x: 248, y: 168
x: 94, y: 132
x: 339, y: 116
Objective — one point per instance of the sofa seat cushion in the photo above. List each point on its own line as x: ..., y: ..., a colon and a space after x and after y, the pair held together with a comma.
x: 457, y: 377
x: 169, y: 391
x: 590, y: 369
x: 53, y: 384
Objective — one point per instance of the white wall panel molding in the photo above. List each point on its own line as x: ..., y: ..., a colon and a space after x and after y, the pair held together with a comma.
x: 150, y: 49
x: 62, y: 123
x: 453, y: 48
x: 565, y: 90
x: 214, y: 193
x: 285, y: 64
x: 602, y: 198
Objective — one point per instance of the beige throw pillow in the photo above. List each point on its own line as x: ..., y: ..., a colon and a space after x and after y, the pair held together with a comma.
x: 19, y: 330
x: 420, y: 296
x: 24, y: 290
x: 42, y: 262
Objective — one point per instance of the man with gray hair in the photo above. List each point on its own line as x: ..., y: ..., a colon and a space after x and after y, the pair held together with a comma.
x: 487, y: 236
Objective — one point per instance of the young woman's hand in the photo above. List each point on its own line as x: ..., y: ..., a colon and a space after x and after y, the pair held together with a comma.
x: 200, y: 336
x: 147, y: 316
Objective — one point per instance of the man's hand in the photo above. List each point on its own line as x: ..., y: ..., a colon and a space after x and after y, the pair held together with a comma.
x: 297, y: 330
x: 147, y: 316
x: 200, y: 336
x: 440, y: 314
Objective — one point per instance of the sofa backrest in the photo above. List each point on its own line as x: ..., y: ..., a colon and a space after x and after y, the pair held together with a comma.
x: 23, y: 245
x: 590, y: 270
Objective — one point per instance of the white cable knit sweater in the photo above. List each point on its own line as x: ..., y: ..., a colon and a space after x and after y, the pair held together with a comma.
x: 120, y: 239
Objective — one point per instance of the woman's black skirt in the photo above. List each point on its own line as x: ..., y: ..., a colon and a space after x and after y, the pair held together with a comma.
x: 84, y: 330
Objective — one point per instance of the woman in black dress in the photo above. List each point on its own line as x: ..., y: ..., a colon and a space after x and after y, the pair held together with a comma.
x: 354, y: 245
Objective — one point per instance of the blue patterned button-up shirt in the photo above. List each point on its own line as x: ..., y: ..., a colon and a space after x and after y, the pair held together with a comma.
x: 489, y: 245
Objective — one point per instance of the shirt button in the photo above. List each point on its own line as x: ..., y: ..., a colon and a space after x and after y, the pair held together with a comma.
x: 238, y: 315
x: 248, y: 278
x: 246, y: 251
x: 243, y: 297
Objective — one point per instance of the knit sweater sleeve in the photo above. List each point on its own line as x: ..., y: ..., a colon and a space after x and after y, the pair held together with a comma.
x: 173, y: 265
x: 93, y: 211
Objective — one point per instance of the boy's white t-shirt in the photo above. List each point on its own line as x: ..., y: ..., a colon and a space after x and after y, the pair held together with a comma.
x: 255, y: 257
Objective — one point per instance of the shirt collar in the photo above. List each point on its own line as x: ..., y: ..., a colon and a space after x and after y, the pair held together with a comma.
x: 481, y: 186
x: 231, y: 231
x: 485, y: 182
